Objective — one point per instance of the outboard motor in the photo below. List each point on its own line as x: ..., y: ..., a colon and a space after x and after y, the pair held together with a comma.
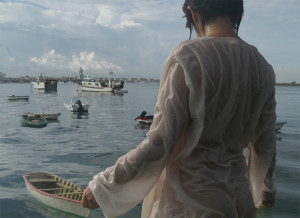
x: 142, y: 115
x: 80, y: 107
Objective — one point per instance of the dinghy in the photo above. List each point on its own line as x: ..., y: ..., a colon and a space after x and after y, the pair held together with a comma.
x: 47, y: 116
x: 33, y: 120
x: 18, y: 97
x: 56, y: 192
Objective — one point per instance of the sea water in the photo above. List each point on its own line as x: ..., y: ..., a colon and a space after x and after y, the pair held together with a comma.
x: 78, y: 147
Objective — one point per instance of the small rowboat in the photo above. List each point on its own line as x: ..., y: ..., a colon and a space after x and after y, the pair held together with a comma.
x: 56, y: 192
x: 47, y: 116
x: 35, y: 121
x: 18, y: 97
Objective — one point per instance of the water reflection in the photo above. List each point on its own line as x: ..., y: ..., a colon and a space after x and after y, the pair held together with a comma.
x: 142, y: 126
x: 35, y: 207
x: 80, y: 115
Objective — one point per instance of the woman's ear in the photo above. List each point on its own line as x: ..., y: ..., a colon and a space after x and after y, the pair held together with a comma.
x: 197, y: 22
x: 195, y: 15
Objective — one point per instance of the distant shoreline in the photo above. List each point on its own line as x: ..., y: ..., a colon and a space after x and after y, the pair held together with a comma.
x: 131, y: 80
x: 287, y: 84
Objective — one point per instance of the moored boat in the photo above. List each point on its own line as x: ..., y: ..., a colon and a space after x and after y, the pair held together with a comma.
x: 93, y: 85
x: 47, y: 116
x: 18, y: 97
x: 56, y: 192
x: 143, y: 119
x: 77, y: 104
x: 35, y: 121
x: 46, y: 84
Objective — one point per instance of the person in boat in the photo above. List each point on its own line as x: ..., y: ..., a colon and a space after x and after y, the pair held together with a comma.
x: 217, y: 95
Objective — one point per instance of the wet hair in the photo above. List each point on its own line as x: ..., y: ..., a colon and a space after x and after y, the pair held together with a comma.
x: 209, y: 10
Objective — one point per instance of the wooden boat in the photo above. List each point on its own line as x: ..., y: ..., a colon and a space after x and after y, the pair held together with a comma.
x: 77, y: 104
x: 18, y: 97
x: 47, y: 116
x: 279, y: 125
x: 143, y: 119
x: 56, y: 192
x: 35, y: 121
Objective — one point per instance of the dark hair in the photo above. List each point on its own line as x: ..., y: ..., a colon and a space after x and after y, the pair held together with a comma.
x: 209, y: 10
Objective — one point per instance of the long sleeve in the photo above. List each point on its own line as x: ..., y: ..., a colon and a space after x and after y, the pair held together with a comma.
x: 263, y: 154
x: 120, y: 187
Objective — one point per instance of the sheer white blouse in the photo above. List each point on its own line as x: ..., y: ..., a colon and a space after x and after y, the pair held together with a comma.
x: 216, y: 97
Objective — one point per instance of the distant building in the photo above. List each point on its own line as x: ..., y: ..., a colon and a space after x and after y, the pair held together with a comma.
x: 80, y: 74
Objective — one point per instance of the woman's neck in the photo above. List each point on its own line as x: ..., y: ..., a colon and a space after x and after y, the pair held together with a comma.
x: 222, y: 27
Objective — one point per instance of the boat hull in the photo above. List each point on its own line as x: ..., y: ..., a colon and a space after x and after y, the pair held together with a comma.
x: 34, y: 121
x: 13, y: 97
x: 60, y: 203
x: 146, y: 120
x: 75, y: 108
x: 38, y: 85
x: 96, y: 89
x: 47, y: 116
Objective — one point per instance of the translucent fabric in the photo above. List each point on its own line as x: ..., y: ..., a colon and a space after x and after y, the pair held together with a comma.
x: 216, y: 97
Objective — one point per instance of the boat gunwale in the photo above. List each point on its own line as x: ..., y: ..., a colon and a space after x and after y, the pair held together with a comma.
x: 45, y: 193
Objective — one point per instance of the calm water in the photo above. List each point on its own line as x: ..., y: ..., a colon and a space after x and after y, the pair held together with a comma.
x: 77, y: 148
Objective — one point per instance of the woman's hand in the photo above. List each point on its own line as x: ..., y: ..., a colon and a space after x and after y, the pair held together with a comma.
x: 88, y: 199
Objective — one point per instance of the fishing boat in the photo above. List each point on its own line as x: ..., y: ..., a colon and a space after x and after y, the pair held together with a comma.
x: 279, y: 125
x: 56, y: 192
x: 143, y: 119
x: 46, y: 84
x: 47, y: 116
x: 93, y: 85
x: 77, y: 104
x: 18, y: 97
x: 35, y: 121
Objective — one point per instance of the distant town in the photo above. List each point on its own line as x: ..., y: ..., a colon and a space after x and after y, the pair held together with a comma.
x: 79, y: 78
x: 63, y: 79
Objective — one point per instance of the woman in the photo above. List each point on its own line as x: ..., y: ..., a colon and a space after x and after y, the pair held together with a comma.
x: 216, y: 96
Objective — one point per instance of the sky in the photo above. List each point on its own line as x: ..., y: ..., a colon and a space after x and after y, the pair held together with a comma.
x: 132, y: 38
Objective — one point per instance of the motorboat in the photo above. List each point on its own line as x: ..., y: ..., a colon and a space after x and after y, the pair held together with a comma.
x: 145, y: 119
x: 95, y: 85
x: 77, y: 104
x: 56, y: 192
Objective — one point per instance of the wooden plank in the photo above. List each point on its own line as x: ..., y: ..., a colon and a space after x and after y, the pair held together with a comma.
x: 50, y: 189
x: 71, y: 193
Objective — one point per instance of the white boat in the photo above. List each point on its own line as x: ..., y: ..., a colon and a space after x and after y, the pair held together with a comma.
x: 92, y: 85
x: 44, y: 84
x: 47, y: 116
x: 18, y: 97
x: 279, y: 125
x: 77, y: 104
x: 37, y: 84
x: 56, y: 192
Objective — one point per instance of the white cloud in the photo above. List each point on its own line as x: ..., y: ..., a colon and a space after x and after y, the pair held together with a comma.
x: 110, y: 18
x: 50, y: 60
x: 89, y: 63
